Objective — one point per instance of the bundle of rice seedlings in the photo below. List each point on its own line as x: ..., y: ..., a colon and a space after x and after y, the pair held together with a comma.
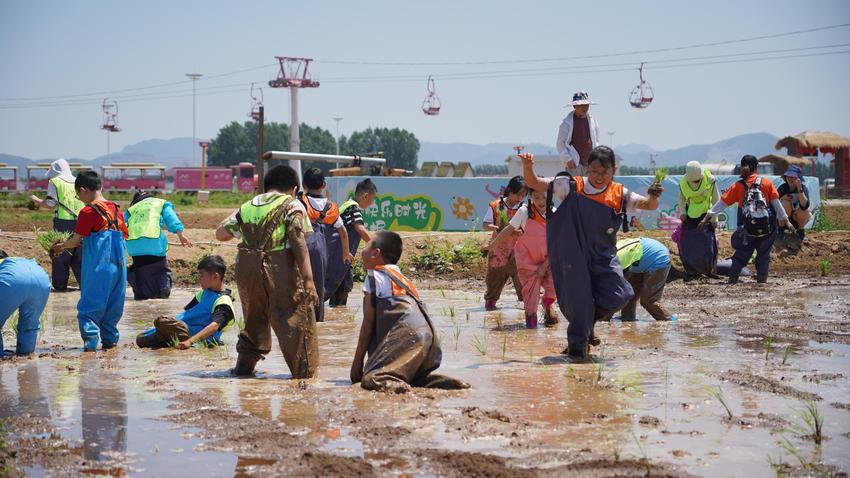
x: 50, y: 238
x: 660, y: 175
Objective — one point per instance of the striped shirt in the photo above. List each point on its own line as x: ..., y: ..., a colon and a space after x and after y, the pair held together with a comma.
x: 351, y: 216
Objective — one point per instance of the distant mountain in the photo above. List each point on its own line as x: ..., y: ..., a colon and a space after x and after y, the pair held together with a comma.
x: 731, y: 150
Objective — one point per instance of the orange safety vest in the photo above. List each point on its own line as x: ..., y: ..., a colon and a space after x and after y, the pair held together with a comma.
x: 397, y: 290
x: 496, y: 205
x: 612, y: 196
x: 327, y: 216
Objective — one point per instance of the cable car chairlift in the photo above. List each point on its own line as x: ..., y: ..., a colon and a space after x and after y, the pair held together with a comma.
x: 642, y: 94
x: 431, y: 105
x: 256, y: 103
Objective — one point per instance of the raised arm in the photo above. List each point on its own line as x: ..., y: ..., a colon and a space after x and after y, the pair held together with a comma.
x: 531, y: 179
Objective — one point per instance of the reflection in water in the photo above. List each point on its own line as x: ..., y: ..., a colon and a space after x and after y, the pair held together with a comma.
x: 104, y: 408
x: 30, y: 398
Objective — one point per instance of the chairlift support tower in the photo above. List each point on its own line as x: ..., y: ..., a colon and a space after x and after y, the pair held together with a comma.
x: 294, y: 74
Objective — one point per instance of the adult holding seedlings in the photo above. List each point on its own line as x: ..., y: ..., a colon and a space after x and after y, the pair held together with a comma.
x: 501, y: 263
x: 578, y: 135
x: 698, y: 244
x: 274, y: 276
x: 102, y: 231
x: 24, y: 287
x: 149, y: 275
x: 645, y: 263
x: 583, y: 216
x: 62, y: 198
x: 760, y: 215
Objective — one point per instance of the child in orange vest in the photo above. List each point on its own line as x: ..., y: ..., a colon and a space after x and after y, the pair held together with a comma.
x: 528, y: 226
x: 396, y: 331
x: 583, y: 216
x: 501, y: 264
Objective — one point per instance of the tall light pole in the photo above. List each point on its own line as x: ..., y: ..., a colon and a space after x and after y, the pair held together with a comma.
x: 194, y: 77
x: 611, y: 139
x: 337, y: 134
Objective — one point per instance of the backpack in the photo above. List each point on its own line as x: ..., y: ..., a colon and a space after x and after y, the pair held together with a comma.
x: 755, y: 213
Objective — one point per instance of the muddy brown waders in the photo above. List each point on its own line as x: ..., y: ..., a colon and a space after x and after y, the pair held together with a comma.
x: 273, y: 294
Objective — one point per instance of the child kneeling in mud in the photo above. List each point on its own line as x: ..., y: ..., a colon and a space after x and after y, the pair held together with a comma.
x: 396, y: 330
x: 203, y: 319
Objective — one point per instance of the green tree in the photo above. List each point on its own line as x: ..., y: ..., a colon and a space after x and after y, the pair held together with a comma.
x: 231, y: 146
x: 400, y: 147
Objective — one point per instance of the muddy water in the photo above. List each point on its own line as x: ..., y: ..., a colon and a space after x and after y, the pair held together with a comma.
x: 647, y: 397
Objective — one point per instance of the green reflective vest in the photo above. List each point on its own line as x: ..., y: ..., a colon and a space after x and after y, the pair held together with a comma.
x: 346, y: 205
x: 629, y: 252
x: 256, y: 214
x: 145, y: 219
x: 698, y: 200
x: 68, y: 206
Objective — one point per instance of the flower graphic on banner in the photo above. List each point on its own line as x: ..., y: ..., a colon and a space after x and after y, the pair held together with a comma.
x: 669, y: 219
x: 462, y: 208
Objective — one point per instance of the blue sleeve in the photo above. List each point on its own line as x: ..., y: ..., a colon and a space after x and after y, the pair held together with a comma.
x: 170, y: 219
x: 126, y: 216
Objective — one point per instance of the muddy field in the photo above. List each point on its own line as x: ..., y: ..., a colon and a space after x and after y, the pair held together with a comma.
x: 651, y: 405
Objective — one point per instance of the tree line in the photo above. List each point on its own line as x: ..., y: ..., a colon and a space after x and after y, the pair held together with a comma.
x: 236, y: 143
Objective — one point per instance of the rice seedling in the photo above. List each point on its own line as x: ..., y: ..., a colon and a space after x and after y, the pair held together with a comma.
x: 504, y: 346
x: 600, y: 367
x: 480, y: 344
x: 824, y: 267
x: 452, y: 311
x: 717, y: 394
x: 499, y: 322
x: 660, y: 175
x: 787, y: 353
x: 645, y: 457
x: 456, y: 333
x: 443, y: 293
x: 172, y: 342
x: 629, y: 381
x: 467, y: 316
x: 768, y: 346
x: 50, y: 238
x: 793, y: 451
x: 810, y: 422
x: 13, y: 322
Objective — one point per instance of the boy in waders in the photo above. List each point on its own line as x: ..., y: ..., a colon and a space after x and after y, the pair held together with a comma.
x: 340, y: 280
x: 101, y: 230
x: 532, y: 262
x: 62, y: 198
x: 697, y: 245
x: 646, y: 264
x: 204, y: 317
x: 149, y: 275
x: 583, y: 216
x: 24, y: 287
x: 274, y: 277
x: 501, y: 263
x: 324, y: 218
x: 760, y: 215
x: 396, y: 330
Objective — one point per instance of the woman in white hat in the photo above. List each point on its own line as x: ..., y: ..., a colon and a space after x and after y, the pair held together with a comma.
x: 578, y: 135
x: 698, y: 246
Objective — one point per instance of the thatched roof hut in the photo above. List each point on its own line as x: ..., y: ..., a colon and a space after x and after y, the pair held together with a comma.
x: 781, y: 162
x: 811, y: 141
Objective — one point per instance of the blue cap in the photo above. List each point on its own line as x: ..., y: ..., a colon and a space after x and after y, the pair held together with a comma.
x: 794, y: 172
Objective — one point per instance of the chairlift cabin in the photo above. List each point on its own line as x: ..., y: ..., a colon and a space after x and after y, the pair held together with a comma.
x: 110, y: 116
x: 642, y: 94
x: 256, y: 103
x: 431, y: 104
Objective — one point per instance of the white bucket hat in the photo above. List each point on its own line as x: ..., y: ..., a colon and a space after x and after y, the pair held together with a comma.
x: 581, y: 98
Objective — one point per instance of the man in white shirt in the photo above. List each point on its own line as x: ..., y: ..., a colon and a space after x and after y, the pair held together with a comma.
x: 578, y: 135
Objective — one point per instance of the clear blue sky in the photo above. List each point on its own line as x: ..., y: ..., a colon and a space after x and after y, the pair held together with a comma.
x: 56, y: 48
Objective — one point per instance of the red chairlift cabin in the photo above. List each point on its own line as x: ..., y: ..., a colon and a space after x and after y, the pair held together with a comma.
x: 431, y: 104
x: 256, y: 104
x: 642, y: 94
x: 110, y: 116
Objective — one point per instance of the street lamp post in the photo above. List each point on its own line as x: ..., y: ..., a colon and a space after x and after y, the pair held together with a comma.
x: 194, y: 77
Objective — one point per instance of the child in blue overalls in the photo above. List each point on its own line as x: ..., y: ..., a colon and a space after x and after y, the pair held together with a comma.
x: 204, y: 317
x: 24, y: 286
x: 101, y: 230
